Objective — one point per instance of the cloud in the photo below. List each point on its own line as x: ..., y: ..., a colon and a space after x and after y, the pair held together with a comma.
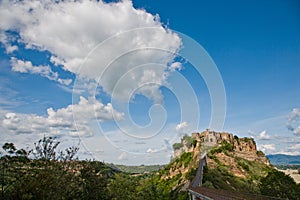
x: 175, y: 66
x: 69, y: 30
x: 151, y: 150
x: 291, y: 153
x: 297, y: 131
x: 45, y: 71
x: 253, y: 134
x: 294, y: 115
x: 295, y: 147
x: 267, y: 148
x: 62, y: 121
x: 182, y: 127
x: 263, y: 136
x: 6, y: 41
x: 293, y: 121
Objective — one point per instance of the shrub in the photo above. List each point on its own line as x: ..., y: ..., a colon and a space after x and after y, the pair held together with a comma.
x: 260, y: 154
x: 244, y: 165
x: 177, y: 146
x: 190, y: 141
x: 191, y: 174
x: 226, y: 146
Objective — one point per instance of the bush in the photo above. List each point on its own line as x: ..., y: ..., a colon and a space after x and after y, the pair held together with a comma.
x: 246, y: 139
x: 185, y: 159
x: 226, y: 146
x: 191, y: 174
x: 190, y: 141
x: 260, y: 154
x: 177, y: 146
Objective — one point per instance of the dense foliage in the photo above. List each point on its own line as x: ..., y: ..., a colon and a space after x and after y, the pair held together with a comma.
x: 46, y: 173
x: 138, y: 169
x: 187, y: 141
x: 260, y: 178
x: 54, y: 174
x: 277, y: 184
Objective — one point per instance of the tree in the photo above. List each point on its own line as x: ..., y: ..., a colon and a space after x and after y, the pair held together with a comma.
x: 69, y: 153
x: 9, y: 148
x: 45, y: 148
x: 277, y: 184
x: 42, y: 177
x: 123, y: 187
x: 11, y: 162
x: 94, y: 179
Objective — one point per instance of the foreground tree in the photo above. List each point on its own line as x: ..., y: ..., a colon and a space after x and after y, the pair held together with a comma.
x: 48, y: 176
x: 277, y: 184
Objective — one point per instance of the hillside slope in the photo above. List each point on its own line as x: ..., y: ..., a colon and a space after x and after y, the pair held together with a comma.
x: 232, y: 164
x: 228, y: 155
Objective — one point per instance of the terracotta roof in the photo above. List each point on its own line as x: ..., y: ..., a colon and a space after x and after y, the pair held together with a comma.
x: 218, y: 194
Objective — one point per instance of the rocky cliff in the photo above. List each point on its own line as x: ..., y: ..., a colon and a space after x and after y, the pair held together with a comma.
x: 223, y: 148
x: 232, y: 164
x: 207, y: 140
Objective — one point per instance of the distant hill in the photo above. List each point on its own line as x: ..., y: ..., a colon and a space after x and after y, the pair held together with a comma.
x: 282, y: 159
x: 138, y: 169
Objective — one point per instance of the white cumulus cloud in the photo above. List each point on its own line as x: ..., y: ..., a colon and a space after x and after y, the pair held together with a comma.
x: 6, y: 41
x: 175, y: 66
x: 45, y: 71
x: 69, y: 30
x: 61, y: 121
x: 267, y: 148
x: 182, y: 127
x: 263, y: 136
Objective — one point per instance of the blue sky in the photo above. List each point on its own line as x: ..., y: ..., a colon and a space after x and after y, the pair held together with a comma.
x: 128, y: 79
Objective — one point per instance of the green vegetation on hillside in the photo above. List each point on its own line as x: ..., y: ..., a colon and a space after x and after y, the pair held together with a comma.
x: 54, y: 174
x: 259, y: 178
x: 138, y: 169
x: 225, y: 147
x: 277, y: 184
x: 186, y: 140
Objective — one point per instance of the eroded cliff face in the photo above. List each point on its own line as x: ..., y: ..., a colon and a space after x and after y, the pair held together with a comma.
x: 207, y: 141
x: 241, y: 147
